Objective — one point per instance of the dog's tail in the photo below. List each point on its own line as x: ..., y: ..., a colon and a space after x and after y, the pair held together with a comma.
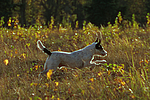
x: 43, y: 48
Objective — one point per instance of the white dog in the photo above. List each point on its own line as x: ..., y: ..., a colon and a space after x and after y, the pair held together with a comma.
x: 80, y: 58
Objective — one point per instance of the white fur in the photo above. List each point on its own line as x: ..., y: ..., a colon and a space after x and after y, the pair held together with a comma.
x: 40, y: 45
x: 80, y: 58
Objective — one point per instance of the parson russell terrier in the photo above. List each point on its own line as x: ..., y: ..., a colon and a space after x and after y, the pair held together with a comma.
x: 80, y: 58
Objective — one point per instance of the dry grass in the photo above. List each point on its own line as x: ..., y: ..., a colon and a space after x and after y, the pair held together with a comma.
x: 124, y: 76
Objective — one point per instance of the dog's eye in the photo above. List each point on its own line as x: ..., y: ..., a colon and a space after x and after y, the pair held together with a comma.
x: 99, y: 47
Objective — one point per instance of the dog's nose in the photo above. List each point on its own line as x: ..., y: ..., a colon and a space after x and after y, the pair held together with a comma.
x: 105, y: 53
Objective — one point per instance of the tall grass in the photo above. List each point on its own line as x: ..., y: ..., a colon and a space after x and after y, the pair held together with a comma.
x: 124, y: 76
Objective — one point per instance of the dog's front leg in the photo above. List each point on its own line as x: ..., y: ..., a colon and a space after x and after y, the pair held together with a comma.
x: 86, y: 64
x: 96, y: 63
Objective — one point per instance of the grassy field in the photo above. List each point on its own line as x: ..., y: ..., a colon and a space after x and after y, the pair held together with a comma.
x: 126, y: 75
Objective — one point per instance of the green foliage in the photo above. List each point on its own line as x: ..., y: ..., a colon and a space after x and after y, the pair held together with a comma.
x: 124, y: 76
x: 67, y: 12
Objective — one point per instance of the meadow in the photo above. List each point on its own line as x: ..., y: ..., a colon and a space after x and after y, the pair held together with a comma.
x: 125, y: 76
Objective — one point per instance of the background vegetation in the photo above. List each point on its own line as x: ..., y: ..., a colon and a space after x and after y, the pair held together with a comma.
x: 98, y: 12
x: 126, y: 75
x: 68, y: 25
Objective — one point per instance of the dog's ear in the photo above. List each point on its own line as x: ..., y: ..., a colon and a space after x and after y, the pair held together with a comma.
x: 99, y: 41
x: 98, y: 46
x: 96, y: 40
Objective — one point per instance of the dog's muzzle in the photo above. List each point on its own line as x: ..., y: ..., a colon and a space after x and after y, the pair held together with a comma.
x: 104, y: 53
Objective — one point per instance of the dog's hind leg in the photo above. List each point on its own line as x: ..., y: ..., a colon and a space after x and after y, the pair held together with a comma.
x: 43, y: 72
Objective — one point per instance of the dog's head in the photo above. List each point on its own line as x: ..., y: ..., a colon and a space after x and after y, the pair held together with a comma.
x: 99, y: 49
